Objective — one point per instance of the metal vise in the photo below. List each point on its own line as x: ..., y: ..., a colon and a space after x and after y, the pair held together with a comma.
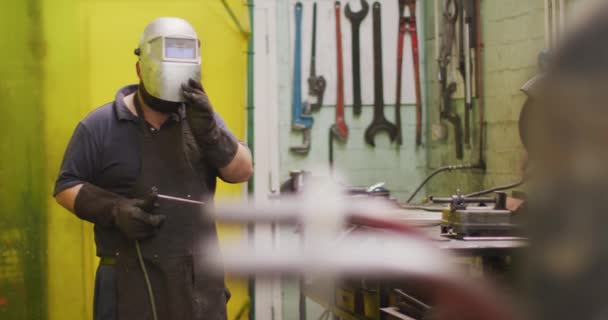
x: 462, y: 220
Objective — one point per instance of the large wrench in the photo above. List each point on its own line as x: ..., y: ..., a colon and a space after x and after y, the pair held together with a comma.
x: 301, y: 118
x: 355, y: 22
x: 339, y: 129
x: 379, y: 123
x: 316, y: 84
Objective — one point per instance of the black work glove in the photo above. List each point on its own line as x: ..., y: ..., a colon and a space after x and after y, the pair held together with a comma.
x: 131, y: 217
x: 217, y: 145
x: 105, y: 208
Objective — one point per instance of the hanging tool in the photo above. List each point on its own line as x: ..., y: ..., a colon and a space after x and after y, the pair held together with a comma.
x: 316, y: 84
x: 452, y: 117
x: 407, y: 24
x: 413, y: 30
x: 451, y: 9
x: 339, y: 129
x: 466, y: 66
x: 379, y: 122
x: 401, y: 35
x: 479, y: 88
x: 438, y: 129
x: 355, y: 22
x: 302, y: 119
x: 331, y: 152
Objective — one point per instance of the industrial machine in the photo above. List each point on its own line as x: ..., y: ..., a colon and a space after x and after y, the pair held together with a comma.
x: 464, y: 220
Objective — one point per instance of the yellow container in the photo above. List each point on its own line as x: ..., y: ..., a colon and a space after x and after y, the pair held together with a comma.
x: 345, y: 299
x: 371, y: 304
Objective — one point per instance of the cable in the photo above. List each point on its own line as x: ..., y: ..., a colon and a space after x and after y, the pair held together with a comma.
x: 499, y: 188
x: 442, y: 169
x: 147, y: 278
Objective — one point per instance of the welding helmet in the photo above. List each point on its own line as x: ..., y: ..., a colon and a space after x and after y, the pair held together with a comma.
x: 169, y: 55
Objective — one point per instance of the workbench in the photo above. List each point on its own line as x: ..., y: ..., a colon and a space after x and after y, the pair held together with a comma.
x: 346, y: 302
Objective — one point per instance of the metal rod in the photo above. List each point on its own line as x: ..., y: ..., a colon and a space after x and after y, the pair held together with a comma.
x: 494, y: 238
x: 160, y: 196
x: 499, y: 188
x: 464, y: 200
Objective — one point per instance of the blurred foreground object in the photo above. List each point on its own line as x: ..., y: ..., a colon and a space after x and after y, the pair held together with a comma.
x: 377, y: 247
x: 567, y: 265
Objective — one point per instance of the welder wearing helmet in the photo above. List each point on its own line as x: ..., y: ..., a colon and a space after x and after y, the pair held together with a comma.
x: 160, y: 133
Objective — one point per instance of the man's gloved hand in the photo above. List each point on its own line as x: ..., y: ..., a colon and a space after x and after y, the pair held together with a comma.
x: 200, y: 112
x: 131, y: 217
x: 106, y: 209
x: 217, y: 145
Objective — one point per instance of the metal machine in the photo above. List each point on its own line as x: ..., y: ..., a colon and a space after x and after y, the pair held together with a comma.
x: 464, y: 221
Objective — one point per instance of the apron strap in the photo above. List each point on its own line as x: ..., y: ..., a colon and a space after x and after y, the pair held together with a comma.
x: 140, y: 113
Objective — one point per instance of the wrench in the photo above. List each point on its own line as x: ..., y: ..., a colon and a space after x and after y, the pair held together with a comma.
x: 301, y: 118
x: 379, y: 123
x: 451, y: 11
x: 452, y: 117
x: 355, y: 22
x: 339, y: 129
x: 316, y: 84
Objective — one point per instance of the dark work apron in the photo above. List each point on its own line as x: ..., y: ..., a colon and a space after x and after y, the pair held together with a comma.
x: 175, y: 257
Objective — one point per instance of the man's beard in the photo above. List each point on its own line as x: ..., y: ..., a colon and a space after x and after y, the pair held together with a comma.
x: 157, y: 104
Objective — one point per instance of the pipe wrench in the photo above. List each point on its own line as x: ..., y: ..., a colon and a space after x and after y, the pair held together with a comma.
x: 301, y: 117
